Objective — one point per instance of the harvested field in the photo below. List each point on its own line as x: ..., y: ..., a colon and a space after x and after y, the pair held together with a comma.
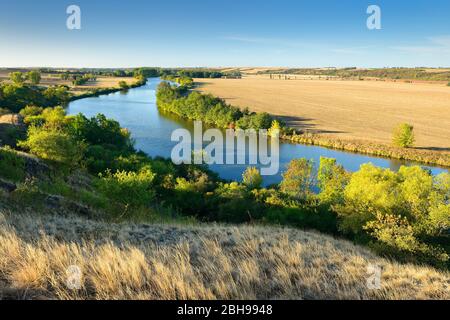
x: 361, y: 110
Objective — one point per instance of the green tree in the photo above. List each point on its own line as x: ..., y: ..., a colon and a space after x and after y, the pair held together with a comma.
x: 332, y: 180
x: 34, y: 77
x: 129, y: 188
x: 403, y: 135
x: 17, y: 77
x: 54, y: 145
x: 297, y: 180
x: 123, y: 84
x: 275, y: 129
x: 370, y: 191
x: 31, y: 111
x: 252, y: 178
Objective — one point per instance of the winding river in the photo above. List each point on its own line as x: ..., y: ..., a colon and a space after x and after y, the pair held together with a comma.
x: 136, y: 110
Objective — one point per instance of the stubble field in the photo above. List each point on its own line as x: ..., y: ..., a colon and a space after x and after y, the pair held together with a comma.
x: 354, y: 110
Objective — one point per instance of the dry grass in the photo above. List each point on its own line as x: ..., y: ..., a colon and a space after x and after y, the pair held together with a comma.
x: 362, y: 110
x: 127, y: 261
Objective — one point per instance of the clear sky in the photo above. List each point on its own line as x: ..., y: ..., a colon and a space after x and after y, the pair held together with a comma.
x: 291, y: 33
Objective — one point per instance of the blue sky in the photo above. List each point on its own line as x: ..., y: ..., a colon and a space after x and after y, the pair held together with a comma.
x: 291, y: 33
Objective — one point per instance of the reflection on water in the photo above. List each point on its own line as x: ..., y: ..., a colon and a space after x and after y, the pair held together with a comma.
x: 136, y: 110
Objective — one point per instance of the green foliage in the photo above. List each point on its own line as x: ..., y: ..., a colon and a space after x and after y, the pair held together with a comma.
x: 297, y: 179
x: 207, y: 108
x: 129, y: 188
x: 31, y: 111
x: 123, y: 85
x: 252, y: 178
x: 54, y: 145
x: 403, y: 136
x: 17, y: 77
x: 404, y: 211
x: 12, y: 167
x: 146, y: 73
x: 255, y: 121
x: 332, y: 180
x: 275, y: 129
x: 34, y: 77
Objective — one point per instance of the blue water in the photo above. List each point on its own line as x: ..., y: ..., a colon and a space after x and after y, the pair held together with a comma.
x: 136, y: 110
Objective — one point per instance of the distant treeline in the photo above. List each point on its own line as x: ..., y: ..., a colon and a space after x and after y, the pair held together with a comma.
x: 384, y: 73
x: 14, y: 97
x: 207, y: 108
x: 17, y: 95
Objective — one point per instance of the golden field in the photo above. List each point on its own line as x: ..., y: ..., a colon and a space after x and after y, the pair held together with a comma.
x: 144, y: 261
x: 345, y: 109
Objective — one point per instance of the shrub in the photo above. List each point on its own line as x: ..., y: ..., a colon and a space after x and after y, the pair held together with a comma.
x: 403, y: 136
x: 123, y: 84
x: 252, y: 178
x: 128, y: 188
x: 371, y: 190
x: 31, y: 111
x: 332, y: 180
x: 17, y: 77
x: 54, y: 145
x: 396, y: 237
x: 34, y: 77
x: 54, y: 117
x: 297, y: 180
x: 12, y: 167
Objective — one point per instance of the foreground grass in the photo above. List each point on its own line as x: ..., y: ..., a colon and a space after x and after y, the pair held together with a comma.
x: 141, y: 261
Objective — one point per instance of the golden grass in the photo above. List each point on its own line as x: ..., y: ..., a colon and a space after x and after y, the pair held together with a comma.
x: 348, y: 110
x: 128, y: 261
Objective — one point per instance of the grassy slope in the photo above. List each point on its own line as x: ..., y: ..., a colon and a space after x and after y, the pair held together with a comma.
x: 129, y: 261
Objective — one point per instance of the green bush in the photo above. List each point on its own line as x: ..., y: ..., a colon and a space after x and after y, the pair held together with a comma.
x: 332, y: 180
x: 17, y: 77
x: 31, y: 111
x: 405, y: 212
x: 34, y: 77
x: 54, y: 145
x: 403, y: 136
x: 196, y: 106
x: 252, y: 178
x: 12, y: 167
x: 123, y: 85
x: 297, y: 179
x: 128, y: 188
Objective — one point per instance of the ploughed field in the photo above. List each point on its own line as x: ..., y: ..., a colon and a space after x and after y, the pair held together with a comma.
x: 345, y: 109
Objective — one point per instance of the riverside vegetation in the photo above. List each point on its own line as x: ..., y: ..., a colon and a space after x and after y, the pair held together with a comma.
x: 90, y: 167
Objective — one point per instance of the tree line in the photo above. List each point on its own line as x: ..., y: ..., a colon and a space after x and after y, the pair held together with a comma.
x: 196, y: 106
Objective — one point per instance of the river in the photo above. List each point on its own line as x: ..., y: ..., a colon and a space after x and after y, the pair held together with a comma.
x: 136, y: 110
